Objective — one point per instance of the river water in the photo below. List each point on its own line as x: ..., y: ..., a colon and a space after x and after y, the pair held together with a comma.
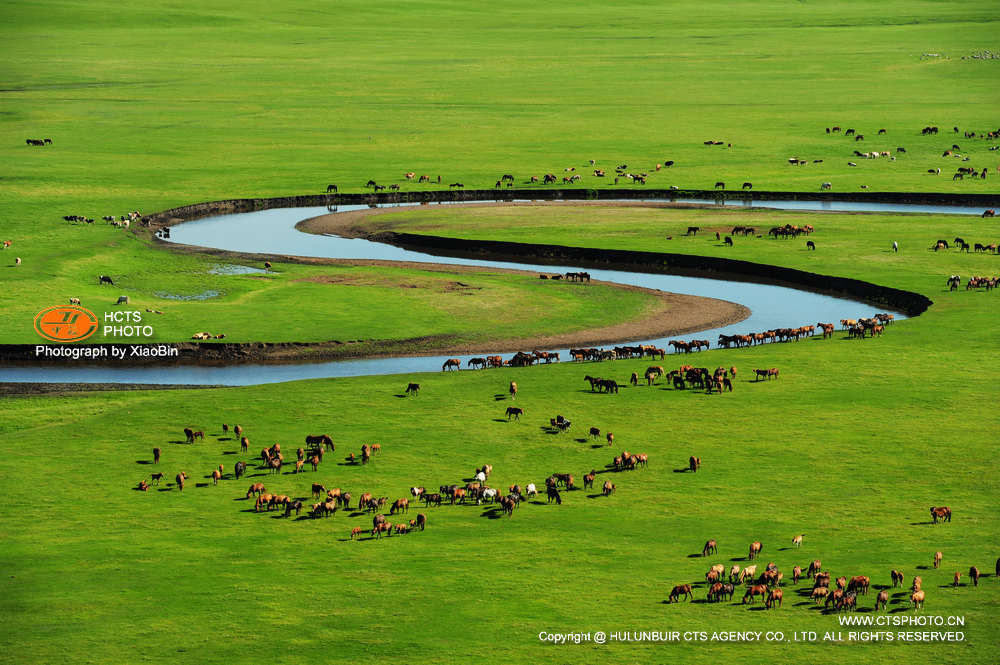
x: 273, y: 232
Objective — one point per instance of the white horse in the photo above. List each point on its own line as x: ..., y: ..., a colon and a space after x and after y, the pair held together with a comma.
x: 530, y: 490
x: 488, y: 493
x: 480, y: 477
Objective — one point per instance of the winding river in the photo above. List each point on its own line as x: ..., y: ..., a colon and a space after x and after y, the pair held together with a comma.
x: 273, y: 232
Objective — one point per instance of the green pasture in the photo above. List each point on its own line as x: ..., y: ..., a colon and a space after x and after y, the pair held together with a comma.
x: 155, y: 105
x: 151, y: 106
x: 300, y: 302
x: 850, y: 446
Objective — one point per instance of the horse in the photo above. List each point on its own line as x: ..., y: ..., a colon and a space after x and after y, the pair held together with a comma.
x: 681, y: 590
x: 239, y: 469
x: 513, y: 390
x: 810, y: 245
x: 331, y: 188
x: 755, y: 548
x: 710, y: 548
x: 720, y: 185
x: 694, y: 463
x: 515, y: 411
x: 451, y: 363
x: 942, y: 512
x: 413, y: 388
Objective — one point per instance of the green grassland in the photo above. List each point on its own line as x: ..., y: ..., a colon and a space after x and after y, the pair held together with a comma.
x: 154, y: 105
x: 850, y: 446
x: 303, y: 303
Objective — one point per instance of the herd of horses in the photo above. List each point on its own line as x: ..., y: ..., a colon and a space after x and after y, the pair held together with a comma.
x: 843, y: 596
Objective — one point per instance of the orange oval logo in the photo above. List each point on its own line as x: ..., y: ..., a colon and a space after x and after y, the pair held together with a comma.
x: 66, y: 324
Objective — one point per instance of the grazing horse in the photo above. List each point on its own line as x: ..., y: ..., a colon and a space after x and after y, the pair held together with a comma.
x: 943, y: 513
x: 917, y: 599
x: 937, y: 559
x: 710, y: 548
x: 773, y: 597
x: 755, y: 548
x: 513, y: 390
x: 754, y: 591
x: 882, y: 600
x: 681, y: 590
x: 694, y: 463
x: 331, y: 188
x: 720, y: 185
x: 974, y: 574
x: 797, y: 540
x: 747, y: 185
x: 413, y: 388
x: 810, y: 245
x: 515, y: 411
x: 189, y: 434
x: 609, y: 488
x: 897, y: 578
x: 588, y: 480
x: 451, y: 363
x: 595, y: 432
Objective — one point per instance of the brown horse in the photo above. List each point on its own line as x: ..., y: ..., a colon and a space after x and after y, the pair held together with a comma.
x: 681, y: 590
x: 942, y: 512
x: 882, y: 600
x: 710, y: 548
x: 694, y: 463
x: 755, y: 548
x: 451, y: 363
x: 754, y: 591
x: 513, y: 390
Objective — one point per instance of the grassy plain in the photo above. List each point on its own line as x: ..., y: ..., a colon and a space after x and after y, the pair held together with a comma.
x: 152, y: 105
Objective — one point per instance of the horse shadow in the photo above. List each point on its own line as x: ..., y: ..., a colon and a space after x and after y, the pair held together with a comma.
x: 897, y: 610
x: 803, y: 604
x: 594, y: 496
x: 228, y: 452
x: 177, y: 441
x: 694, y: 556
x: 582, y: 441
x: 400, y: 395
x: 500, y: 420
x: 164, y: 489
x: 223, y: 438
x: 758, y: 608
x: 740, y: 558
x: 499, y: 397
x: 920, y: 523
x: 347, y: 463
x: 143, y: 461
x: 539, y: 503
x: 782, y: 549
x: 923, y: 567
x: 201, y: 484
x: 685, y: 470
x: 257, y: 475
x: 492, y: 513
